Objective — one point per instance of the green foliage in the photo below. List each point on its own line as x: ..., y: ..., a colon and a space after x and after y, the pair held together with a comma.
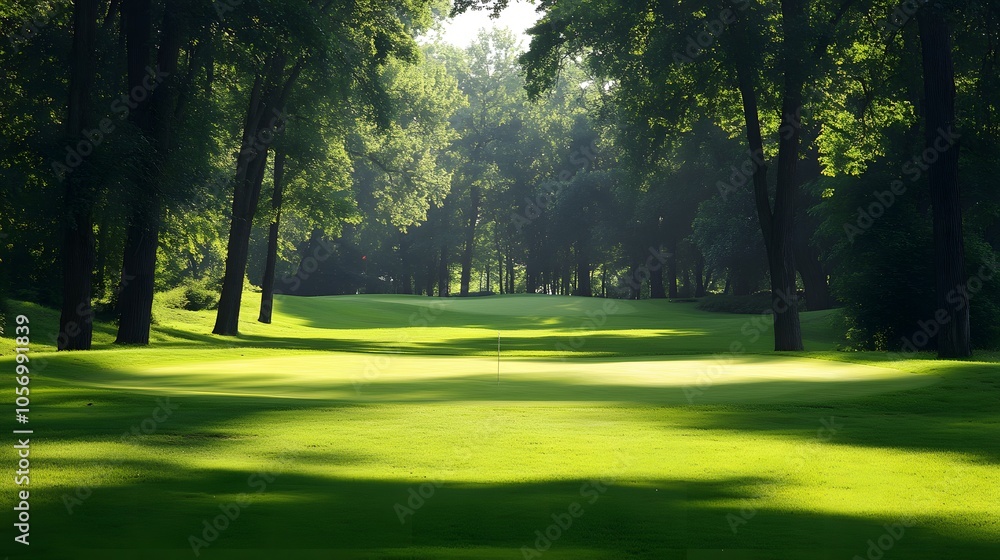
x: 192, y: 295
x: 883, y: 274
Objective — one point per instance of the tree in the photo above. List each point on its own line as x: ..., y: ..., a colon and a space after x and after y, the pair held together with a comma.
x: 351, y: 42
x: 491, y: 81
x: 76, y: 317
x: 155, y: 119
x: 954, y: 338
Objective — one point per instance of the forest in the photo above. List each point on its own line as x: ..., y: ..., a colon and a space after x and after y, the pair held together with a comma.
x: 628, y: 279
x: 196, y: 149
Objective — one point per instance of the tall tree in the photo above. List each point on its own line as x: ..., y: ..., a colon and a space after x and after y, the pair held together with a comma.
x: 493, y: 84
x: 264, y: 119
x: 267, y: 284
x: 76, y: 317
x: 155, y: 119
x: 777, y: 223
x: 954, y: 338
x: 350, y: 43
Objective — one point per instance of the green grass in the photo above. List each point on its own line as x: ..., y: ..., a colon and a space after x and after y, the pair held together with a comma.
x: 346, y: 404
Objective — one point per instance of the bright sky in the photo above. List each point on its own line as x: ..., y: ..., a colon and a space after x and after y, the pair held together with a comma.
x: 518, y: 17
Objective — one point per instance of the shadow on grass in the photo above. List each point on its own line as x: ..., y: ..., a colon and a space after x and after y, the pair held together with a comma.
x: 587, y: 345
x: 956, y: 410
x: 617, y: 518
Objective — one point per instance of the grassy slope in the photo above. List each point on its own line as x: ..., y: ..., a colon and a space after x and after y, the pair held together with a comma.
x: 351, y: 402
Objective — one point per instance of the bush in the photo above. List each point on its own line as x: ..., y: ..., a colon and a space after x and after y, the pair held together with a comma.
x: 173, y: 299
x: 192, y: 295
x: 199, y: 296
x: 884, y: 272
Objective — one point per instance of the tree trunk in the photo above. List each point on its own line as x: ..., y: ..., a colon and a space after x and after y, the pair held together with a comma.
x: 583, y: 278
x: 949, y: 251
x: 443, y: 274
x: 267, y: 284
x: 269, y: 93
x: 76, y: 316
x: 672, y: 268
x: 472, y: 218
x: 429, y: 279
x: 699, y: 273
x: 532, y: 276
x: 237, y: 252
x: 155, y: 119
x: 777, y: 224
x: 656, y: 290
x: 635, y: 284
x: 814, y: 278
x: 487, y: 275
x: 510, y: 272
x: 501, y: 278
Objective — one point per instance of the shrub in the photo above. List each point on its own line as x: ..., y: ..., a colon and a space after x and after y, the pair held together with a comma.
x: 192, y: 295
x: 200, y: 296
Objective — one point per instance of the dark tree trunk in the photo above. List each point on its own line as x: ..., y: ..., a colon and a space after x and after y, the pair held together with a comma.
x: 76, y: 316
x: 443, y: 274
x: 155, y: 118
x: 532, y: 277
x: 472, y: 218
x: 672, y: 268
x: 501, y: 285
x: 583, y: 278
x: 270, y: 93
x: 635, y: 281
x: 949, y: 251
x: 267, y: 283
x: 406, y: 275
x: 237, y: 252
x: 656, y: 290
x: 429, y: 278
x: 510, y: 272
x: 135, y: 302
x: 814, y: 277
x: 777, y: 224
x: 699, y: 274
x: 808, y: 260
x: 742, y: 283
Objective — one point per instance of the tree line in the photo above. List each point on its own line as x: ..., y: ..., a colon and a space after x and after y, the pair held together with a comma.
x: 626, y: 152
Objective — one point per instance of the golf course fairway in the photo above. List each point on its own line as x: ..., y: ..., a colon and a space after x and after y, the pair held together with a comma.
x: 389, y: 427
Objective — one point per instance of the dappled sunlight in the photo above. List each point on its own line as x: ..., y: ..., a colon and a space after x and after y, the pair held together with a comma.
x: 657, y: 463
x: 825, y: 447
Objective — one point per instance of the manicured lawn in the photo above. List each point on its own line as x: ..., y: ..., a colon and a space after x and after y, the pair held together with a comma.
x: 676, y: 434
